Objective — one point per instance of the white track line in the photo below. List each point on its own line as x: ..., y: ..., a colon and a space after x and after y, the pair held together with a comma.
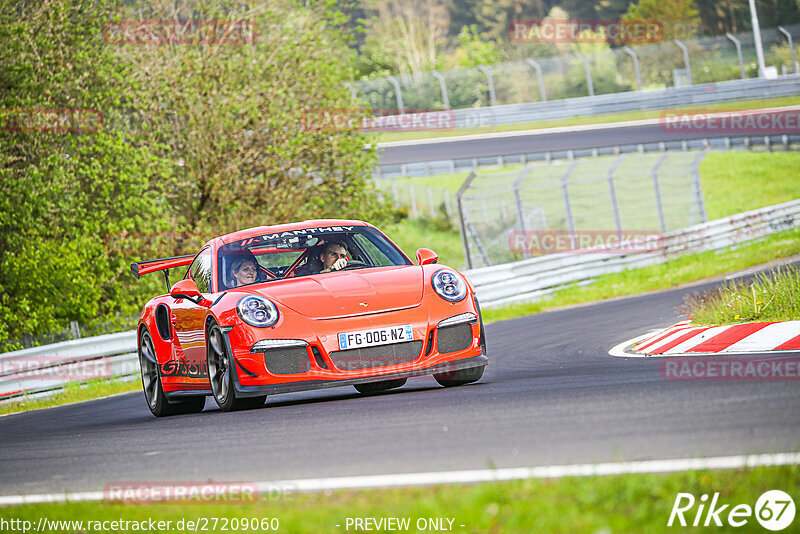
x: 569, y: 129
x: 469, y: 477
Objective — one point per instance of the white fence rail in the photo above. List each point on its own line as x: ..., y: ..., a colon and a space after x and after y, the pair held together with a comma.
x: 51, y: 367
x: 531, y: 279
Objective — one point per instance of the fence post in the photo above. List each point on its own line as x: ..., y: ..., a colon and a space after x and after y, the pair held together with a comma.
x: 613, y: 192
x: 461, y: 218
x: 628, y: 50
x: 696, y: 176
x: 685, y: 59
x: 353, y: 91
x: 657, y: 190
x: 518, y: 200
x: 398, y: 96
x: 539, y: 77
x: 565, y: 193
x: 395, y: 196
x: 791, y: 48
x: 738, y: 52
x: 588, y: 72
x: 490, y: 81
x: 443, y: 87
x: 430, y: 203
x: 413, y: 199
x: 447, y: 204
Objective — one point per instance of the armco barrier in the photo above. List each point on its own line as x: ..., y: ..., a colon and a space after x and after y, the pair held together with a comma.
x: 530, y: 279
x: 496, y: 285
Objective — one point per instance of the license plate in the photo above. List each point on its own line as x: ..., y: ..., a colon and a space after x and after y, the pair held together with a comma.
x: 375, y: 336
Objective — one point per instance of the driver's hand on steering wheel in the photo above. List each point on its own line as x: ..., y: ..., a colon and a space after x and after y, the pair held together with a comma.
x: 337, y: 265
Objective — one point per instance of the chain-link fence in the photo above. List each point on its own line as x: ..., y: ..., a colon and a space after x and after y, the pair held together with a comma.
x: 611, y: 203
x: 649, y: 66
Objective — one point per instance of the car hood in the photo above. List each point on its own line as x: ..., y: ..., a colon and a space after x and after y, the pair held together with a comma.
x: 348, y: 293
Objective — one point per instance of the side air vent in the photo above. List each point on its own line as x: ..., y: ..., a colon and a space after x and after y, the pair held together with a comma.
x: 455, y: 338
x: 162, y: 322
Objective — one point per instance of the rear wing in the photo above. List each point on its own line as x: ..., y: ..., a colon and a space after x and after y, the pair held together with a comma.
x: 162, y: 264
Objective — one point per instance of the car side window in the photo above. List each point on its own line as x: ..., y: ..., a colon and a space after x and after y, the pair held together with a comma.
x: 200, y: 270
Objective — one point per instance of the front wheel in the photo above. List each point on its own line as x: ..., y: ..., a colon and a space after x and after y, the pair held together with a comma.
x: 375, y: 387
x: 220, y: 374
x: 154, y: 395
x: 459, y: 378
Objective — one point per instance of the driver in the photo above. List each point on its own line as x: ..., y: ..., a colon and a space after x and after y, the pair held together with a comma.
x: 334, y: 257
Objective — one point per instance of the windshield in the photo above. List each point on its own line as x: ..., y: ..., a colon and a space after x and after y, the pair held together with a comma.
x: 306, y: 252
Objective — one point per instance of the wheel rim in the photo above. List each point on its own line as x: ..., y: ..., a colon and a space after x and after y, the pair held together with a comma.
x: 147, y: 360
x: 218, y: 367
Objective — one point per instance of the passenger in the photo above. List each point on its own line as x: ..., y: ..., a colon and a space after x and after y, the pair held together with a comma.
x: 244, y: 271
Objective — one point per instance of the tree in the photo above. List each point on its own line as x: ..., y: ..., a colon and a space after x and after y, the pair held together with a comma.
x: 680, y: 18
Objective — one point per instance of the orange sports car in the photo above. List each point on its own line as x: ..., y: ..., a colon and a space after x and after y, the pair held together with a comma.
x: 299, y: 306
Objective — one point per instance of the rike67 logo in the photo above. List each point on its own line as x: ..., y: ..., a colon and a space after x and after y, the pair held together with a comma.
x: 774, y: 510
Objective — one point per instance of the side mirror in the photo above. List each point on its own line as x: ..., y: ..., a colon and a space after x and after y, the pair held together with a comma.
x: 426, y: 256
x: 187, y: 289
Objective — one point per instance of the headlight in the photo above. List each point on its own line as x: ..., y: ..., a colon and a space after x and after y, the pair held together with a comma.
x: 257, y: 311
x: 449, y: 285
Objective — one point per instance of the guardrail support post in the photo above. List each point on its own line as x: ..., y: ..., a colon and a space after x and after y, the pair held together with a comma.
x: 628, y: 50
x: 738, y: 52
x: 539, y: 77
x: 490, y: 82
x: 685, y: 59
x: 588, y: 72
x: 398, y: 96
x: 443, y: 87
x: 413, y: 199
x: 788, y: 36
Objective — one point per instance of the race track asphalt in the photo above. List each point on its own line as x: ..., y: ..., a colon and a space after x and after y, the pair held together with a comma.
x: 551, y: 395
x: 540, y: 142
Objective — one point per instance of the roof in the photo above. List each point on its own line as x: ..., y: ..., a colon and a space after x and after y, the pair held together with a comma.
x: 288, y: 227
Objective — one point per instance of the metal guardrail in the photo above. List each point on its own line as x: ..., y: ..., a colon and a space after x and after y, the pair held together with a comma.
x: 114, y: 355
x: 51, y: 367
x: 529, y: 280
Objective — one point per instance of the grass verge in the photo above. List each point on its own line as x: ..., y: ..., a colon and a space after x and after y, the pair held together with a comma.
x: 73, y: 392
x: 681, y: 270
x: 386, y: 137
x: 769, y: 297
x: 620, y: 503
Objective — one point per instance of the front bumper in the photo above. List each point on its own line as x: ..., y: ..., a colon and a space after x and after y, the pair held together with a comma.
x: 255, y: 391
x: 324, y: 369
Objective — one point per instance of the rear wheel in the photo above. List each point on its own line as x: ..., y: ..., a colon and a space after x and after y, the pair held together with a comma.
x: 220, y: 374
x: 375, y: 387
x: 154, y: 395
x: 459, y: 378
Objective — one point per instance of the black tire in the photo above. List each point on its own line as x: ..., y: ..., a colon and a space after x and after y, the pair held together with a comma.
x: 459, y: 378
x: 154, y: 395
x: 220, y: 374
x: 375, y: 387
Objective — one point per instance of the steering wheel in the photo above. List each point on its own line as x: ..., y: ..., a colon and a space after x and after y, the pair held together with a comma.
x: 355, y: 264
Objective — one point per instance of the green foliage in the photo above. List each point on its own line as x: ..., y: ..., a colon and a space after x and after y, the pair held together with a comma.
x: 197, y: 139
x: 769, y: 297
x: 474, y: 48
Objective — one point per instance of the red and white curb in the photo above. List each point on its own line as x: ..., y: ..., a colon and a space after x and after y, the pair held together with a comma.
x: 684, y: 339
